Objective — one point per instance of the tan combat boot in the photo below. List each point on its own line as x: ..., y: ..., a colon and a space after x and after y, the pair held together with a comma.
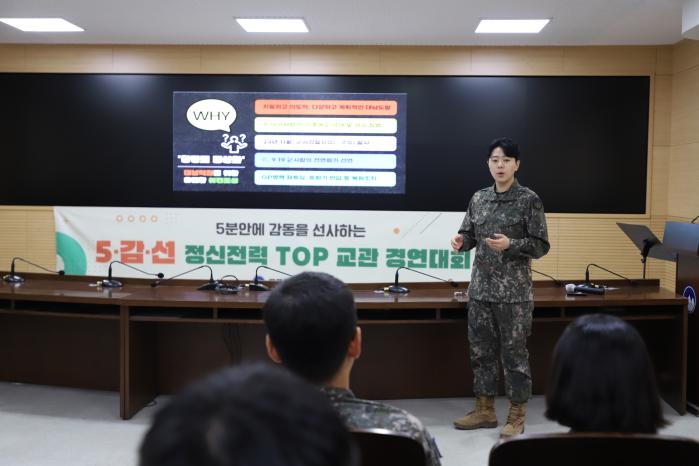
x: 481, y: 417
x: 515, y: 420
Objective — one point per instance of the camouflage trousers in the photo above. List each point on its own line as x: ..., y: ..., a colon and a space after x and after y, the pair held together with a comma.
x: 500, y: 329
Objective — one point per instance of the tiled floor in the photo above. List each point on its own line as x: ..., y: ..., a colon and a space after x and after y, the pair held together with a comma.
x: 50, y: 426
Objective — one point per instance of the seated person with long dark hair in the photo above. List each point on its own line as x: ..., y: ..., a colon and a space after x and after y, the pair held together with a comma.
x: 602, y: 379
x: 256, y: 415
x: 311, y: 322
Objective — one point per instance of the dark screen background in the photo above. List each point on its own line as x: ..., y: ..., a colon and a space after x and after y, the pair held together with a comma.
x: 106, y: 140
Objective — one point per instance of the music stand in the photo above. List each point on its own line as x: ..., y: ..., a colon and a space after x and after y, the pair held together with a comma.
x: 647, y: 243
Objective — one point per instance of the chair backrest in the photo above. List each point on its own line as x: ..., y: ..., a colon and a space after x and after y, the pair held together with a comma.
x: 595, y: 449
x: 381, y: 447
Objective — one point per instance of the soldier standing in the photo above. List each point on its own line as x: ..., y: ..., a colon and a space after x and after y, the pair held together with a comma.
x: 506, y: 225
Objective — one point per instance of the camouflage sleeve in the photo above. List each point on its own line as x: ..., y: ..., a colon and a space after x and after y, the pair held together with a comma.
x: 467, y: 231
x: 535, y: 243
x: 412, y: 426
x: 431, y: 451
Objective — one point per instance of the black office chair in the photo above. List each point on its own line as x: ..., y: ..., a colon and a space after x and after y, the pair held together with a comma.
x: 595, y: 449
x: 381, y: 447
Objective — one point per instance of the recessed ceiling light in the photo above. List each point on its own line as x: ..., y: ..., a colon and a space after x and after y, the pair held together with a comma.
x: 272, y: 24
x: 42, y: 24
x: 511, y: 26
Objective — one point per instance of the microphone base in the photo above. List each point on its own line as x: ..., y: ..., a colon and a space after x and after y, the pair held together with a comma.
x: 12, y: 279
x: 398, y: 289
x: 257, y: 287
x: 111, y: 284
x: 210, y: 286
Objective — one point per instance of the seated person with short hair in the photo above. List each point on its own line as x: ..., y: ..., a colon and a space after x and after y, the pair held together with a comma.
x: 311, y: 322
x: 257, y: 415
x: 602, y: 379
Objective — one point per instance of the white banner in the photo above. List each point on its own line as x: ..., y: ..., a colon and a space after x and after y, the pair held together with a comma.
x: 355, y: 246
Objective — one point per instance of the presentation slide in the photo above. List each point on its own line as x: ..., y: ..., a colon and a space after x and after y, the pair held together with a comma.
x: 289, y: 142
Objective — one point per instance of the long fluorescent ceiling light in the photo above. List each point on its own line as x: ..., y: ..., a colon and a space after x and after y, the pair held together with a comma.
x: 42, y: 24
x: 272, y: 25
x: 511, y: 26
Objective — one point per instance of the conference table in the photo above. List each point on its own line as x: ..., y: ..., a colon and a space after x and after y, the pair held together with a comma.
x: 143, y: 341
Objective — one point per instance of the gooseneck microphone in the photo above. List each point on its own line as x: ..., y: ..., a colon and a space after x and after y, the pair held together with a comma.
x: 587, y: 275
x: 13, y: 278
x: 210, y: 285
x: 110, y: 283
x: 555, y: 280
x: 396, y: 288
x: 256, y: 285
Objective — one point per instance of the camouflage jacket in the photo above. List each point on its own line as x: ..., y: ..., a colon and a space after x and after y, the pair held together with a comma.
x: 518, y: 214
x: 363, y: 414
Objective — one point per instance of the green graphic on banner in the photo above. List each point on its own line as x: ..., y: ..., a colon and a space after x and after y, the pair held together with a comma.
x: 72, y: 255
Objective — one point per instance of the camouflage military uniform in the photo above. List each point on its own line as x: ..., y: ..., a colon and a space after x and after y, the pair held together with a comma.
x: 363, y: 414
x: 500, y: 293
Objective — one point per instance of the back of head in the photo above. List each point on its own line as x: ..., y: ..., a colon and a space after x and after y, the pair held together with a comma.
x: 311, y: 320
x: 251, y: 416
x: 602, y: 379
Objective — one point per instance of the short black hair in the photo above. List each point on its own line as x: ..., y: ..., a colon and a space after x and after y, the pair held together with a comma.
x: 508, y: 146
x: 602, y: 379
x: 311, y: 319
x: 256, y: 415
